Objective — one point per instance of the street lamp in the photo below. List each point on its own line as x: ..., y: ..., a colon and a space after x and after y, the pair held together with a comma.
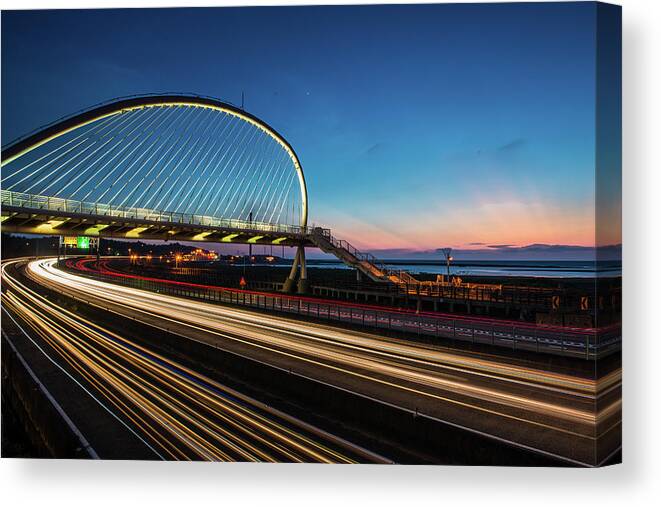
x: 448, y: 258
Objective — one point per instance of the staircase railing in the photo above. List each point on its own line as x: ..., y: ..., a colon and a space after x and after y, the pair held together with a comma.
x: 345, y: 245
x: 402, y: 276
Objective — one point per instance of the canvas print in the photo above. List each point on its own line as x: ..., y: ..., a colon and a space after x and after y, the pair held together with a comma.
x: 314, y: 234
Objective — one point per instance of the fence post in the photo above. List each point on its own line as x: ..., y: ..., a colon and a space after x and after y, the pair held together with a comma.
x: 587, y: 344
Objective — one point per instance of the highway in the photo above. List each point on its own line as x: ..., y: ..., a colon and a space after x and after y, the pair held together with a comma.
x: 567, y: 416
x: 177, y: 413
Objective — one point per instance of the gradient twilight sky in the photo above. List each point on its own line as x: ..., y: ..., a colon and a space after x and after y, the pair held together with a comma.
x: 417, y: 126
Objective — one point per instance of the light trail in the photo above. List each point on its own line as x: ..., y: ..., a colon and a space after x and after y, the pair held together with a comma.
x: 181, y: 413
x: 574, y: 342
x: 386, y: 348
x: 539, y: 409
x: 106, y: 269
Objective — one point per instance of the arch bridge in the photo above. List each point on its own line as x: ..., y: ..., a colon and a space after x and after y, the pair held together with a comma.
x: 167, y: 167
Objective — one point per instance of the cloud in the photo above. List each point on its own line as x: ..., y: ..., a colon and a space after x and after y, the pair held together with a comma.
x: 513, y: 145
x: 374, y: 149
x: 535, y: 251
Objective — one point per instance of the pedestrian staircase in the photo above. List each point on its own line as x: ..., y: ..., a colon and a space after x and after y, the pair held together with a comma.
x: 366, y: 263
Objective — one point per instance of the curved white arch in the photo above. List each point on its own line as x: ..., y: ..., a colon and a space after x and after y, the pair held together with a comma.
x: 52, y: 132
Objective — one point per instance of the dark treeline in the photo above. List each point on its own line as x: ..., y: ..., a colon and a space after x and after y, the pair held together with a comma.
x: 19, y: 245
x: 13, y: 246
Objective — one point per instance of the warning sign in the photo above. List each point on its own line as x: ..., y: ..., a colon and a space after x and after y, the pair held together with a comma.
x: 555, y: 302
x: 584, y: 303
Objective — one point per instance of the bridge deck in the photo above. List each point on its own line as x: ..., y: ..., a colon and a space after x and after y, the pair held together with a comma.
x: 32, y: 214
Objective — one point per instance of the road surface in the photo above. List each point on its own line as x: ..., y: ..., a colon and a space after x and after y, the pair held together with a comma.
x: 567, y: 416
x: 177, y: 413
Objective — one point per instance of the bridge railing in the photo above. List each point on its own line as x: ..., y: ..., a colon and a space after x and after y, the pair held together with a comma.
x: 42, y: 202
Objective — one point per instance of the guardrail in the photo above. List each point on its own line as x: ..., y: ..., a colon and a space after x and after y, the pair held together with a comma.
x: 53, y: 434
x: 42, y: 202
x: 583, y: 344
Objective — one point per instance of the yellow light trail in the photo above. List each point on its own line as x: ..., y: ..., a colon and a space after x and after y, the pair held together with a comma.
x: 182, y: 413
x: 551, y: 405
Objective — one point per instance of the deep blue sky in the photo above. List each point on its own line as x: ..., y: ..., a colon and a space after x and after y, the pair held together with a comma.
x: 417, y: 126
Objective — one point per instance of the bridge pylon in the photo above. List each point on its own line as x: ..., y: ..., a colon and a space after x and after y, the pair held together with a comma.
x: 302, y: 285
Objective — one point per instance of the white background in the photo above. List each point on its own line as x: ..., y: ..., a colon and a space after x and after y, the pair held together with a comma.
x: 636, y: 482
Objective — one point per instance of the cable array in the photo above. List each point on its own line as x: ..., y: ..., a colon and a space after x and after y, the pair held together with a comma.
x: 177, y: 158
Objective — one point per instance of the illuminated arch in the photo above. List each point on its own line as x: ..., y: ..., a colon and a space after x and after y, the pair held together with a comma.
x: 23, y: 148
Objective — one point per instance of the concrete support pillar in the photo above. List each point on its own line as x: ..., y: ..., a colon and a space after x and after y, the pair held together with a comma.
x: 302, y: 286
x: 291, y: 279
